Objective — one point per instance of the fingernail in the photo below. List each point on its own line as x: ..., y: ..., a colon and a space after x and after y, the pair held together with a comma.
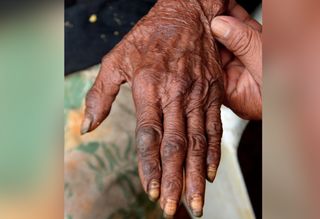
x: 169, y: 208
x: 211, y: 173
x: 220, y: 28
x: 86, y: 124
x: 154, y: 190
x: 196, y: 205
x: 167, y: 216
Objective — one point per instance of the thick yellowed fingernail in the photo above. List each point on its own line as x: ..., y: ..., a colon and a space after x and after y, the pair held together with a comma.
x: 211, y: 173
x: 170, y: 208
x: 86, y: 124
x: 154, y: 190
x: 196, y: 205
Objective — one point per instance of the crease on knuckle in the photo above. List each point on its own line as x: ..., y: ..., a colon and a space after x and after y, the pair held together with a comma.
x: 94, y: 96
x: 197, y: 145
x: 214, y: 131
x: 151, y: 168
x: 241, y: 43
x: 213, y: 156
x: 172, y: 184
x: 174, y: 147
x: 197, y: 180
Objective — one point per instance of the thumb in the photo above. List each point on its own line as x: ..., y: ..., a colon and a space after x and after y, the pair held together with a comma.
x: 241, y: 39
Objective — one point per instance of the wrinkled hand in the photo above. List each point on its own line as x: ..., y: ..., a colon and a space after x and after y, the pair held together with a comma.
x: 172, y: 64
x: 242, y: 60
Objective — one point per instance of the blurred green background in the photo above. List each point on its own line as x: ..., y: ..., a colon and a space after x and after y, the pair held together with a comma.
x: 31, y: 96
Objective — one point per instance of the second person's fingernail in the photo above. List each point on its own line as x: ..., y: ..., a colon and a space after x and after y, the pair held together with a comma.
x: 196, y: 205
x: 220, y: 28
x: 154, y: 190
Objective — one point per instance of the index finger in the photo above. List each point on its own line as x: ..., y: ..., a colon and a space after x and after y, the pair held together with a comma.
x: 237, y: 11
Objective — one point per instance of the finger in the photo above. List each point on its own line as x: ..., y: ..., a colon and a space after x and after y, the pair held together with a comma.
x: 148, y: 137
x: 237, y: 11
x: 226, y: 56
x: 101, y: 96
x: 242, y: 40
x: 196, y: 161
x: 173, y: 150
x: 214, y: 134
x: 233, y: 71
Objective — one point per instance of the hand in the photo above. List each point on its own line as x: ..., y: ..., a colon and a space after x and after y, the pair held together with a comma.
x: 173, y: 66
x: 242, y: 60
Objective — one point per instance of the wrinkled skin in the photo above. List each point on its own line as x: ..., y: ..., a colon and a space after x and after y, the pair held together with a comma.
x: 172, y: 64
x: 242, y: 62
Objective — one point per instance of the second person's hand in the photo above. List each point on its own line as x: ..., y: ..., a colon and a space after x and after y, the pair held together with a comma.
x: 242, y: 60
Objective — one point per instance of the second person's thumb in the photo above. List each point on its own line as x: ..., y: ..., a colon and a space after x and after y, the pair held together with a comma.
x: 239, y: 38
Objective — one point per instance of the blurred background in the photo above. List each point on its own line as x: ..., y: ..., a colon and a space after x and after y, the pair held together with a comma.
x: 32, y: 50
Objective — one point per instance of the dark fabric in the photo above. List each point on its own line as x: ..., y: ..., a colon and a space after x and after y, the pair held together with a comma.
x: 86, y: 43
x: 250, y: 159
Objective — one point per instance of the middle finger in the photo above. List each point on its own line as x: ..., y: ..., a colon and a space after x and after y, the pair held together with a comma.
x: 173, y: 150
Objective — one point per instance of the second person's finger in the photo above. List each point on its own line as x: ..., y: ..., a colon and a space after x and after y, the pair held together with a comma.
x: 242, y: 40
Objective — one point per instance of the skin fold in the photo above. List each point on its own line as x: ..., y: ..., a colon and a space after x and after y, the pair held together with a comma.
x: 173, y: 66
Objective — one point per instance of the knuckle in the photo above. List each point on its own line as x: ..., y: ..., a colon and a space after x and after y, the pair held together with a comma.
x: 94, y: 96
x: 196, y: 179
x: 214, y: 156
x: 214, y: 130
x: 151, y: 168
x: 174, y: 146
x: 197, y: 145
x: 148, y: 140
x: 172, y: 184
x: 241, y: 42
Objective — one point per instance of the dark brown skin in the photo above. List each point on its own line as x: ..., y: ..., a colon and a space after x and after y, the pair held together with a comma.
x: 172, y: 64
